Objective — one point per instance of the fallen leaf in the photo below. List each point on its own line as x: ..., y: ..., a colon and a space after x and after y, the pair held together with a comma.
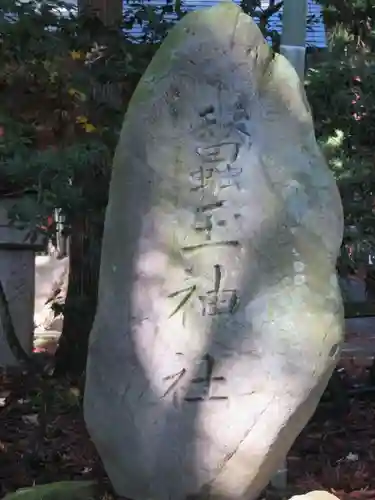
x: 31, y: 419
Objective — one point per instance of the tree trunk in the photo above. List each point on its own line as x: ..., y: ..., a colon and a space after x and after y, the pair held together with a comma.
x: 84, y: 264
x: 108, y: 11
x: 80, y: 305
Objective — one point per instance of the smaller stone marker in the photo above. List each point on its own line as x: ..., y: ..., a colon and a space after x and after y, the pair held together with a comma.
x: 17, y: 275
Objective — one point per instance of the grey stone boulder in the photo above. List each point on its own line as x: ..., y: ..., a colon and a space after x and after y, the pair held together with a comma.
x: 315, y: 495
x: 220, y: 318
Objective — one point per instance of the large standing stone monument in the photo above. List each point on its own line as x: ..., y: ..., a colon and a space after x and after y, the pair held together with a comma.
x: 220, y: 317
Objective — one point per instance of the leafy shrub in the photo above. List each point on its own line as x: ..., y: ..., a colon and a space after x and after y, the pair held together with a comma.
x: 341, y: 90
x: 65, y: 82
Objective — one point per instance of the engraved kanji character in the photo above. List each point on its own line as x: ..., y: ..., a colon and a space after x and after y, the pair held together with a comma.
x: 202, y: 386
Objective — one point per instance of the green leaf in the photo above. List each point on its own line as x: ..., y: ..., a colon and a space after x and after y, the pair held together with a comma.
x: 64, y: 490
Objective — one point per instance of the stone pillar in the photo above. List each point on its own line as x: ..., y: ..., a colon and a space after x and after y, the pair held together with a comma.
x: 17, y: 275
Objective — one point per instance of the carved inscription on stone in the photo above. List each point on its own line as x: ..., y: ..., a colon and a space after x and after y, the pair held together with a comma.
x: 218, y: 300
x: 217, y: 172
x: 206, y: 385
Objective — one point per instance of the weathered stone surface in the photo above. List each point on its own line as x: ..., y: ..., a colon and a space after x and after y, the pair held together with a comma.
x: 17, y: 267
x: 17, y: 277
x: 219, y: 318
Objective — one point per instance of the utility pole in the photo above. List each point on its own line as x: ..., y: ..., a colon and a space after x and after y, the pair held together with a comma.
x: 293, y: 37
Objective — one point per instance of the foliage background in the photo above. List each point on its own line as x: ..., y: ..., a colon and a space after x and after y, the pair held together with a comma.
x: 341, y: 90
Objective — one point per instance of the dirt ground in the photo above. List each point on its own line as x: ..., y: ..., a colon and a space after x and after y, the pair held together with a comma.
x: 43, y: 439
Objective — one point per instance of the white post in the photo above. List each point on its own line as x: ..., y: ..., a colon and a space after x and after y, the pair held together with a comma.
x: 293, y: 38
